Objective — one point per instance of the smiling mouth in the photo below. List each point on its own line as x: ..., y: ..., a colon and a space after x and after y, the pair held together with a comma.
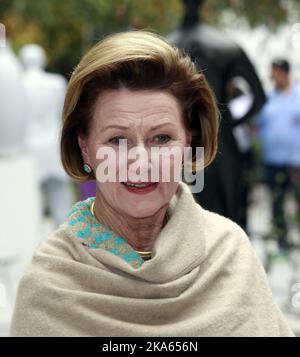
x: 139, y: 185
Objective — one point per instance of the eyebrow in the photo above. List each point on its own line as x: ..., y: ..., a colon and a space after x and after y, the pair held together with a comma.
x: 116, y: 127
x: 127, y: 127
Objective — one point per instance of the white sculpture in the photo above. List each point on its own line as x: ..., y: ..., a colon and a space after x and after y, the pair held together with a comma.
x: 45, y: 92
x: 19, y: 190
x: 12, y: 108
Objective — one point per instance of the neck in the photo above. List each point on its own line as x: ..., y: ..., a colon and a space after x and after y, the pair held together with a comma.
x: 140, y: 233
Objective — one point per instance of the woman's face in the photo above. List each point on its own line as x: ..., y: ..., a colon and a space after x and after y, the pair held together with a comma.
x: 136, y: 123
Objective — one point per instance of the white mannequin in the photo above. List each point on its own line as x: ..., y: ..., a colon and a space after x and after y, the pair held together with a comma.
x: 12, y: 106
x: 19, y: 190
x: 45, y: 93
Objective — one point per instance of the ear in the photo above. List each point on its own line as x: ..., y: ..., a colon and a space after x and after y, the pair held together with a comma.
x: 82, y: 142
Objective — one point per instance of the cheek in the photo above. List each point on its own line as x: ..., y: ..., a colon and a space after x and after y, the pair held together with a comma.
x: 116, y: 197
x: 166, y: 192
x: 170, y: 165
x: 93, y: 156
x: 106, y: 164
x: 108, y: 190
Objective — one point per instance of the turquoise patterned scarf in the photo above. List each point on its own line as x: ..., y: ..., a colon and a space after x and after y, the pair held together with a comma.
x: 94, y: 235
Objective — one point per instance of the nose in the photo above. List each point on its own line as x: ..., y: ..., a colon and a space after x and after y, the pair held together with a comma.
x: 139, y: 163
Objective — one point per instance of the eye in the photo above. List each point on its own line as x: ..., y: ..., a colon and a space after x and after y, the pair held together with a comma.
x: 116, y: 140
x: 161, y: 138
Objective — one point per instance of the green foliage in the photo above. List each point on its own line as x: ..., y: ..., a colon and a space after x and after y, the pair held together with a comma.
x: 67, y: 28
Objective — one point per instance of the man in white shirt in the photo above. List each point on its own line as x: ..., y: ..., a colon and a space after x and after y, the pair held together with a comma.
x: 279, y: 124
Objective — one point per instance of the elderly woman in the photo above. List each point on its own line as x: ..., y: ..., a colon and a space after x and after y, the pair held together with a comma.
x: 142, y: 258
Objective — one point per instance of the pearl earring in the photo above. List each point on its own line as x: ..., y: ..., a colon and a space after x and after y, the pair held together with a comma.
x: 87, y: 168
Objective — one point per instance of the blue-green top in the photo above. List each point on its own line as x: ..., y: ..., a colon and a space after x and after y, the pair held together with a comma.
x: 94, y: 235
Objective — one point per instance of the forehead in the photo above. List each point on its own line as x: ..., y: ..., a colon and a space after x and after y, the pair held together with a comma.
x: 278, y: 69
x: 126, y: 104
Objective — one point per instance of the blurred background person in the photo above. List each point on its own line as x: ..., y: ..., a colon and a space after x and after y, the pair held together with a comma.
x: 221, y: 60
x: 19, y: 195
x: 45, y: 96
x: 279, y: 127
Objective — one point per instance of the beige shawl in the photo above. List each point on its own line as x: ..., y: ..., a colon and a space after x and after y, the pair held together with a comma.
x: 203, y: 280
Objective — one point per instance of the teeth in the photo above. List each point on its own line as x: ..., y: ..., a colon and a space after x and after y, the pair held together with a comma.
x: 138, y: 185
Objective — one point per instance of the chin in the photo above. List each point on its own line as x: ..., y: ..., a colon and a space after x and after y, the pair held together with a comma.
x: 141, y: 211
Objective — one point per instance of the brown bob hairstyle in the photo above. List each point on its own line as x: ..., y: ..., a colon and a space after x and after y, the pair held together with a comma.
x: 136, y: 60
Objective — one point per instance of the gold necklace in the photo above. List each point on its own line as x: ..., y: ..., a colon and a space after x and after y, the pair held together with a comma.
x: 143, y: 254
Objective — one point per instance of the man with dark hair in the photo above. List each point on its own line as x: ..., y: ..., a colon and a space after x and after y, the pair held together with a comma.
x: 279, y: 124
x: 281, y: 64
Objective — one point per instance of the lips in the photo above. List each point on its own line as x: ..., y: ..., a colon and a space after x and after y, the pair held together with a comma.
x: 140, y: 187
x: 138, y: 184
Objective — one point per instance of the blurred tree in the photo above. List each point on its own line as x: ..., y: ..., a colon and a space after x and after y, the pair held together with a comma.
x: 66, y: 29
x: 269, y: 12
